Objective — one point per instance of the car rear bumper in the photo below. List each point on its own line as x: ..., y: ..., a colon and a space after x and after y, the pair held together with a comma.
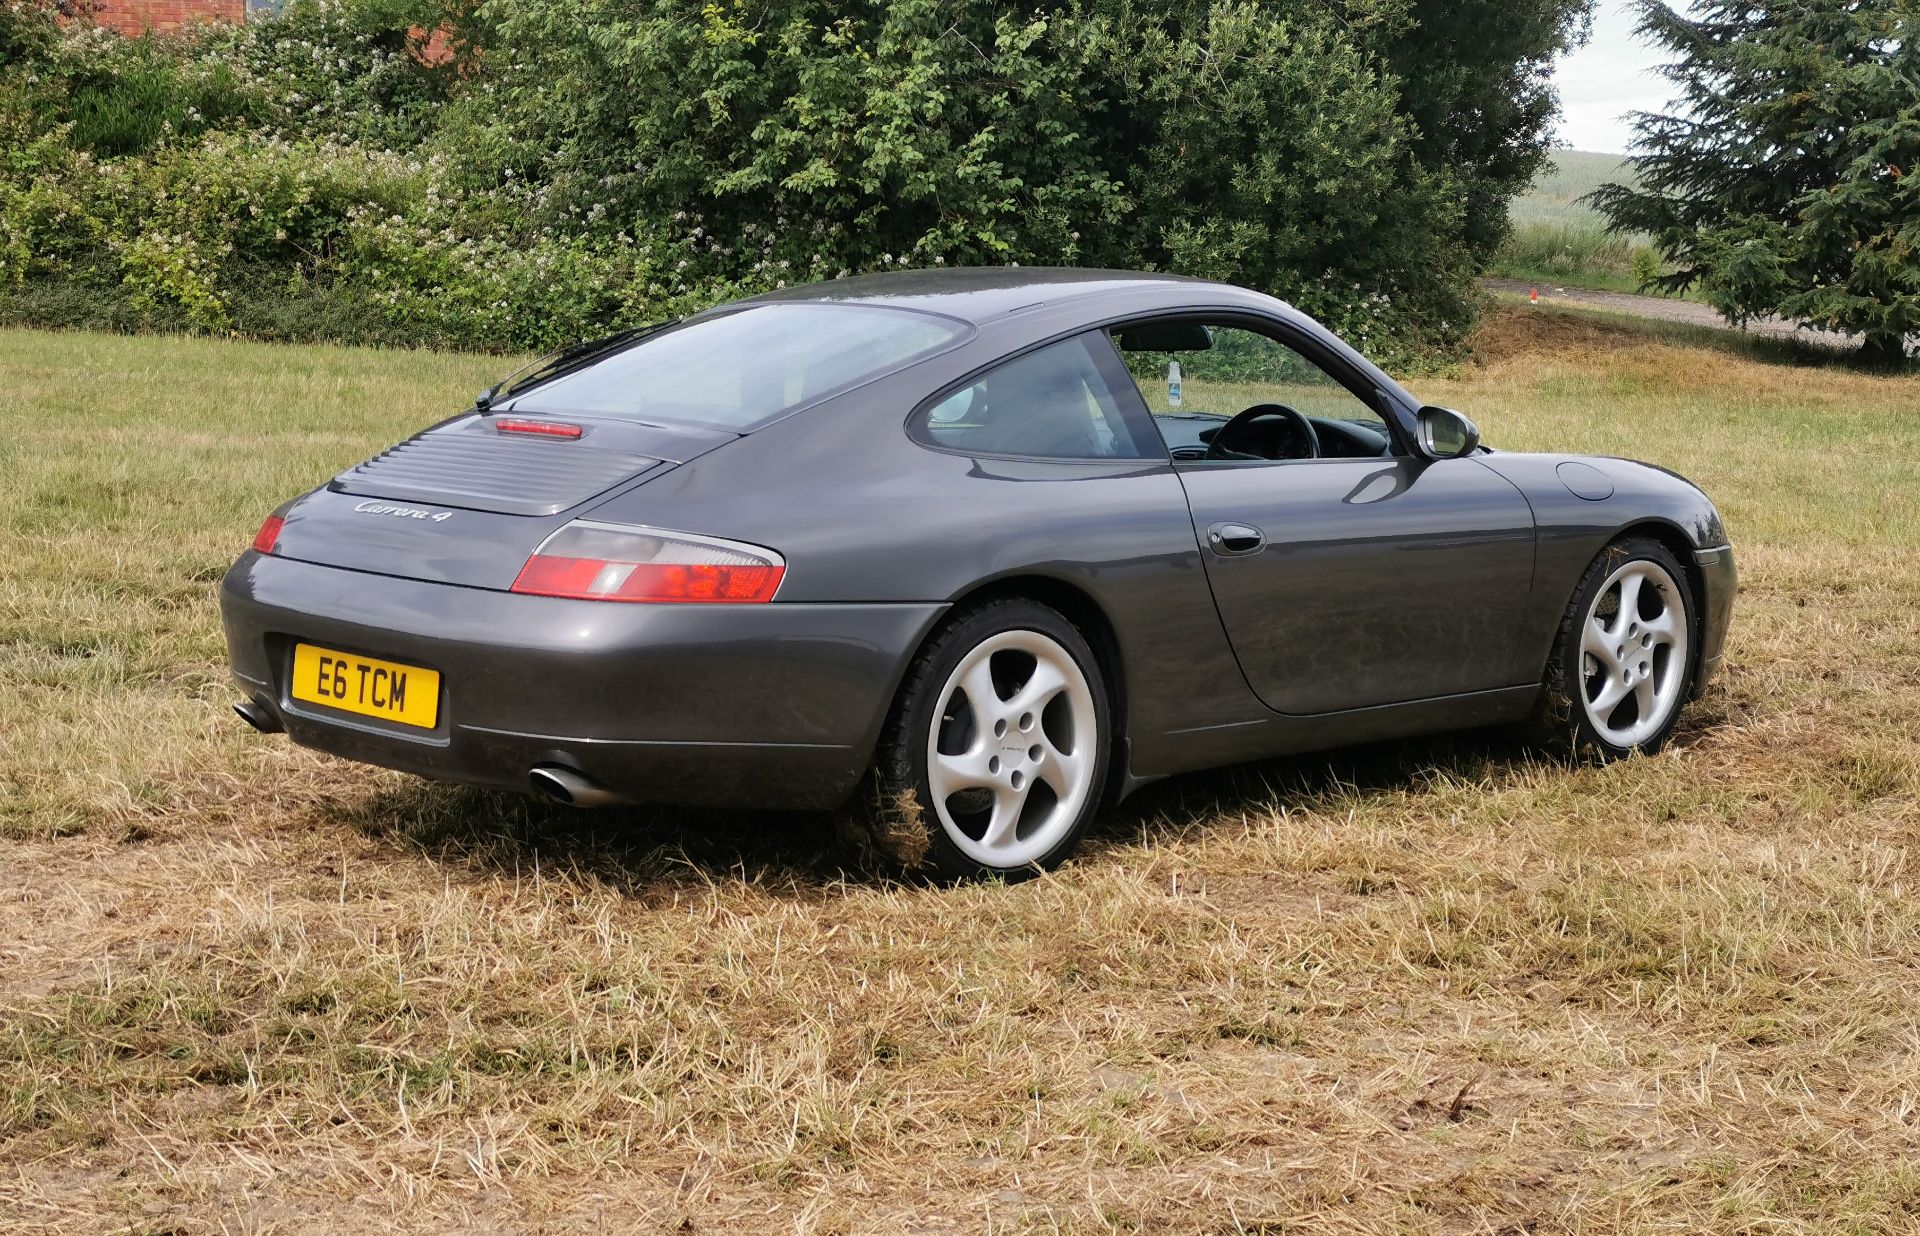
x: 774, y: 705
x: 1719, y: 582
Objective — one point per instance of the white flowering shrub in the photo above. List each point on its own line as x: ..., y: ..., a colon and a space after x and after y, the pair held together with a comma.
x: 170, y: 226
x: 336, y: 69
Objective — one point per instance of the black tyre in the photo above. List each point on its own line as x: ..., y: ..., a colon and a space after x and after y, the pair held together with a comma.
x: 1623, y: 663
x: 999, y: 741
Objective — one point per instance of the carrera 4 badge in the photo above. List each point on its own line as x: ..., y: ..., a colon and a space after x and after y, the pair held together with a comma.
x: 403, y: 512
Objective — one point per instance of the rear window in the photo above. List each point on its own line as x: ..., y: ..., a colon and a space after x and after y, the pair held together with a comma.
x: 743, y: 368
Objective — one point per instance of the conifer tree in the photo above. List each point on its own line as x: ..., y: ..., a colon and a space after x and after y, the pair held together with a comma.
x: 1785, y: 177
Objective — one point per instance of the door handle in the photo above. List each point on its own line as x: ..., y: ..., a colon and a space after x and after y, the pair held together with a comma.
x: 1232, y: 539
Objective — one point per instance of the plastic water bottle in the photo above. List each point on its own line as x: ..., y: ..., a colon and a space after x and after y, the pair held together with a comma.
x: 1173, y: 384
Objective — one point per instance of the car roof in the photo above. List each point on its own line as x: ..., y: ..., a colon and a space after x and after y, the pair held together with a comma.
x: 979, y: 294
x: 1049, y: 299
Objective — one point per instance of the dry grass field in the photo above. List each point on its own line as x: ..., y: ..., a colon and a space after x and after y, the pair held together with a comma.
x: 1434, y: 987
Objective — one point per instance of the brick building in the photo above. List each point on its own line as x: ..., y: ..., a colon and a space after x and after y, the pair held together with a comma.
x: 135, y: 16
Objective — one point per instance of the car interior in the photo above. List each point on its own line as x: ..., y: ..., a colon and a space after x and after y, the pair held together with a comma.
x: 1220, y: 393
x: 1223, y: 392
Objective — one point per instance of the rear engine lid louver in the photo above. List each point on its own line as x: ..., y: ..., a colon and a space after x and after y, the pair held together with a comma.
x: 470, y: 465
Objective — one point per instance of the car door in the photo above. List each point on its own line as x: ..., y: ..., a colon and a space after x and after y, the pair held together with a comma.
x: 1348, y: 571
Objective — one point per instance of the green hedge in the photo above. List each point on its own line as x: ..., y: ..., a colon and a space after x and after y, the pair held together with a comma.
x: 575, y: 167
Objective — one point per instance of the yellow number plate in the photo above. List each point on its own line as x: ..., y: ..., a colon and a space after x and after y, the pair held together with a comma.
x: 403, y: 693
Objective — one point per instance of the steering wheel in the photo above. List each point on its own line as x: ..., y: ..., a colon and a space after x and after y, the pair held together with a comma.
x: 1219, y: 447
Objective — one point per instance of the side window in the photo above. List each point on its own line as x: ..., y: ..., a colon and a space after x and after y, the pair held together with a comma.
x: 1197, y: 377
x: 1053, y: 403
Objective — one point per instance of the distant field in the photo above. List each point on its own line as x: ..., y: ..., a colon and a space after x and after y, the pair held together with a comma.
x: 1431, y: 987
x: 1558, y: 239
x: 1554, y: 197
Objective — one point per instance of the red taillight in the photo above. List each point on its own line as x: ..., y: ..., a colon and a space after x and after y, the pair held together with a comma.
x: 604, y: 562
x: 600, y: 580
x: 269, y: 534
x: 541, y: 429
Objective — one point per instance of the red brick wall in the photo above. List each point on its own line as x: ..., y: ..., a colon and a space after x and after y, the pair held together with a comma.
x: 133, y: 16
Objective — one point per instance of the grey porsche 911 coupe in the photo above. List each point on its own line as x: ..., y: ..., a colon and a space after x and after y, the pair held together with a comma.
x: 1012, y: 542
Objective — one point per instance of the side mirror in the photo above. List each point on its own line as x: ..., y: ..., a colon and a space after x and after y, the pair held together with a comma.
x: 1445, y: 434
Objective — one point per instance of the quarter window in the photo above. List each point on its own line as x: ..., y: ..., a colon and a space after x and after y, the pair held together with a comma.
x: 1052, y: 403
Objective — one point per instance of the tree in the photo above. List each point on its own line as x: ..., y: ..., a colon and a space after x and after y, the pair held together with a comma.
x: 1476, y: 80
x: 1355, y: 157
x: 1781, y: 179
x: 1266, y: 145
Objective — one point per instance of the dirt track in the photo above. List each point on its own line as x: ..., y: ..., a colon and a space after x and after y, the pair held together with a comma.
x: 1663, y: 309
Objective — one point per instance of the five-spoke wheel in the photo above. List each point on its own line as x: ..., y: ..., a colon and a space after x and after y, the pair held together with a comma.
x: 1623, y: 666
x: 1009, y: 764
x: 1002, y: 734
x: 1633, y: 644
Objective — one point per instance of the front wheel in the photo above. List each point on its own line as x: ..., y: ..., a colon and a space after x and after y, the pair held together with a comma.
x: 1622, y: 665
x: 1001, y: 736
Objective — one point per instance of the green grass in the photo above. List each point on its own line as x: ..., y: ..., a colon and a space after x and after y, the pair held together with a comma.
x: 1438, y: 986
x: 1582, y: 255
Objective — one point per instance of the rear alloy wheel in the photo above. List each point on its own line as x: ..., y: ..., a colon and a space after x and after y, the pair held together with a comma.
x: 1002, y: 733
x: 1623, y: 667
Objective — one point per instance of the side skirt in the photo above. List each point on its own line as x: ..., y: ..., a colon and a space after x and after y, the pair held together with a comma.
x: 1276, y: 735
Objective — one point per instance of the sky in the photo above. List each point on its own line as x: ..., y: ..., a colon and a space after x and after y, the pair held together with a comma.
x: 1601, y: 82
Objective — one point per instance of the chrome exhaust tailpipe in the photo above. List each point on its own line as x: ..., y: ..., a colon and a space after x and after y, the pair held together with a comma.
x: 254, y: 714
x: 563, y: 785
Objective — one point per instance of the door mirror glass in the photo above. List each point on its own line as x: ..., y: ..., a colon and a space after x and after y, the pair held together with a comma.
x: 1445, y: 434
